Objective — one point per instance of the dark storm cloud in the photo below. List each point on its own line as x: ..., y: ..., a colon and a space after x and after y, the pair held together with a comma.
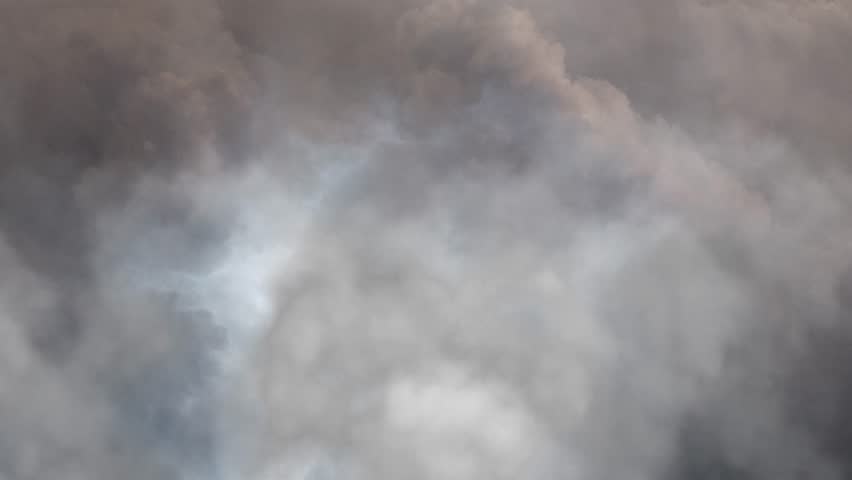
x: 438, y: 239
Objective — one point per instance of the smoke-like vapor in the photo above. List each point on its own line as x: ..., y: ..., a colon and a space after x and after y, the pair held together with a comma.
x: 425, y: 239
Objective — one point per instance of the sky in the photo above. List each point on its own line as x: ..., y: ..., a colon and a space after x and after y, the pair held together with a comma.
x: 425, y: 239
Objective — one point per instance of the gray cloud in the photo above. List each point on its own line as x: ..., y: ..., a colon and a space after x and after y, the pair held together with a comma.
x: 429, y: 239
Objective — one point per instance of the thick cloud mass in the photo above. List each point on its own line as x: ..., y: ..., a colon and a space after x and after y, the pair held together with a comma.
x: 425, y: 239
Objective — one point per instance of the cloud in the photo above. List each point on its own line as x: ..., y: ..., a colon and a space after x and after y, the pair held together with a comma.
x: 423, y: 239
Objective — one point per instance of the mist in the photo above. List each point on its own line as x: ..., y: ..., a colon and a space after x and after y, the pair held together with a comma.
x: 425, y: 239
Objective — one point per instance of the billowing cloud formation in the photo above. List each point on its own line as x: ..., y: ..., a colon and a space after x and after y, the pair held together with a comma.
x: 427, y: 239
